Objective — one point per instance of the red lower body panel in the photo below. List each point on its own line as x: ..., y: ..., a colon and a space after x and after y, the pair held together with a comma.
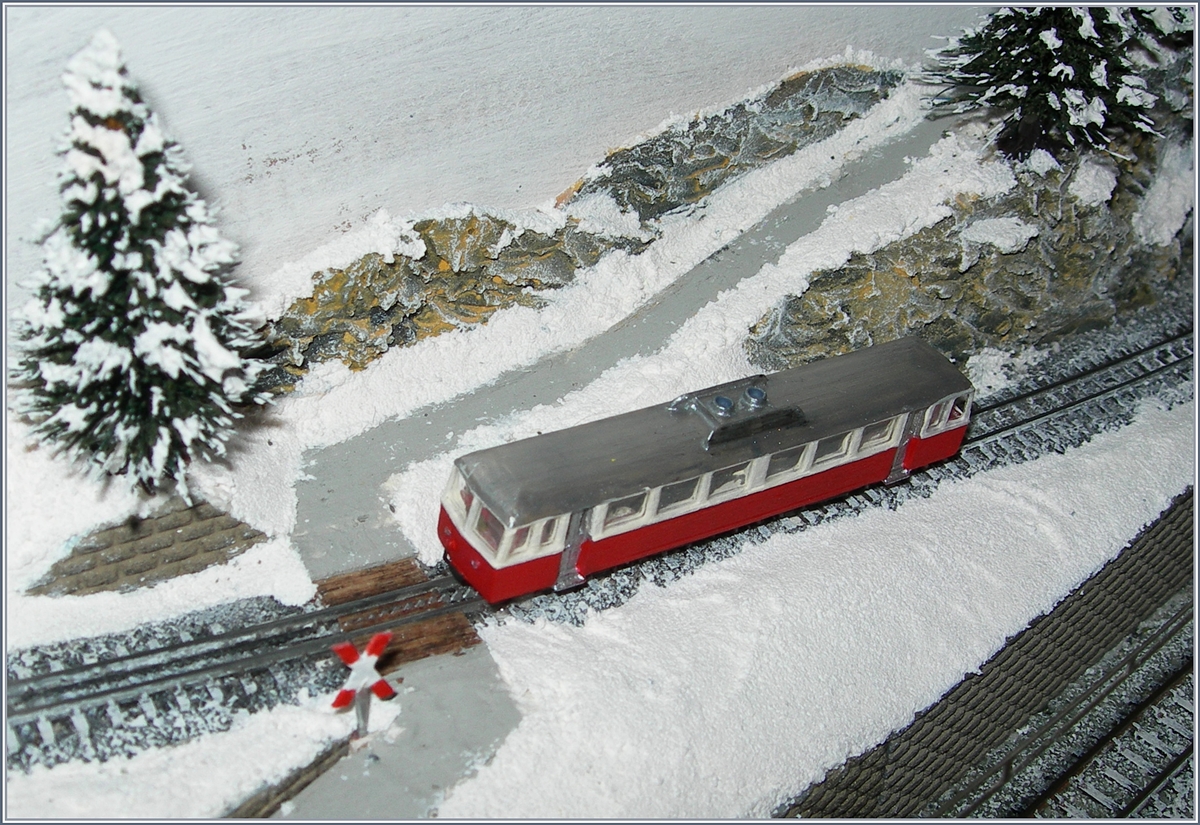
x: 923, y: 451
x: 495, y: 585
x: 596, y: 556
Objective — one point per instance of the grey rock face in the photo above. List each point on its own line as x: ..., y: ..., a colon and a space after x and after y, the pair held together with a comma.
x: 1025, y: 268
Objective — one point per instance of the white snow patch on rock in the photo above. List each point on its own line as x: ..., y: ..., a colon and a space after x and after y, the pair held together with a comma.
x: 599, y: 214
x: 1171, y: 198
x: 1093, y: 184
x: 991, y: 370
x: 1006, y: 234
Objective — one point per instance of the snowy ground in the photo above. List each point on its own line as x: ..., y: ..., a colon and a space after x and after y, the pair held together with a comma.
x: 334, y: 403
x: 303, y: 121
x: 677, y: 703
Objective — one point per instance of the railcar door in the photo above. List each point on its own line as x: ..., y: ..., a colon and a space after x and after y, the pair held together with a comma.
x: 577, y: 533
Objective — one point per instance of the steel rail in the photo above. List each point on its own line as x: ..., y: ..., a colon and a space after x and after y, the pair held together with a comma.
x: 1070, y: 777
x: 1094, y: 369
x: 1140, y: 801
x: 226, y: 653
x: 192, y: 663
x: 1165, y: 348
x: 1026, y: 751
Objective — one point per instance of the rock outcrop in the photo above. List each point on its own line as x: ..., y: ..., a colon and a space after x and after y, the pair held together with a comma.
x: 477, y: 264
x: 1059, y: 253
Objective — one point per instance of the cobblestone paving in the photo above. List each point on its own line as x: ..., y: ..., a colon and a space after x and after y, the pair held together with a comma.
x: 179, y: 539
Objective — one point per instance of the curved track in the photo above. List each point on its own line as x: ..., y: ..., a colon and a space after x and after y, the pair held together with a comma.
x: 165, y: 693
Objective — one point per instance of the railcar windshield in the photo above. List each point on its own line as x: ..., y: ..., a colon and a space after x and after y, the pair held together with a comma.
x: 499, y: 545
x: 947, y: 414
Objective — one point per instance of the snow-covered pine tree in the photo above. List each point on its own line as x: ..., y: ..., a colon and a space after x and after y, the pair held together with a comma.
x: 1058, y: 76
x: 131, y: 348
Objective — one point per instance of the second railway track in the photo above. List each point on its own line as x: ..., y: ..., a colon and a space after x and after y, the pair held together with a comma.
x: 167, y: 693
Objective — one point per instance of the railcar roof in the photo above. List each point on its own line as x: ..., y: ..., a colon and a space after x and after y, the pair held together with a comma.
x: 582, y: 466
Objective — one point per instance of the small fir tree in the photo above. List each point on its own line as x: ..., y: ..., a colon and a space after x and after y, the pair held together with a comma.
x: 1059, y: 76
x: 131, y: 355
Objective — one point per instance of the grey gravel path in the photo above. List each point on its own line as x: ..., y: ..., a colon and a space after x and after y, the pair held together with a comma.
x: 342, y: 519
x: 454, y: 713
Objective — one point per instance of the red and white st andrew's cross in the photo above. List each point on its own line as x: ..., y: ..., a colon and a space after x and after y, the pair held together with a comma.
x: 362, y: 670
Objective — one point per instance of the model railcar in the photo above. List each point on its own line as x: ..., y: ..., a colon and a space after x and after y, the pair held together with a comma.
x: 547, y: 512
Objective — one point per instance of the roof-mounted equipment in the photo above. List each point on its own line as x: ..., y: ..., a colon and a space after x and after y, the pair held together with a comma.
x: 737, y: 410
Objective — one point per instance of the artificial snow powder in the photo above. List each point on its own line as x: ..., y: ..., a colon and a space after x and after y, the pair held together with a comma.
x: 682, y: 702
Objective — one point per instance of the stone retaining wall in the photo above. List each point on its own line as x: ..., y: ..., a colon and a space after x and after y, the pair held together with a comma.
x: 915, y: 766
x: 476, y: 263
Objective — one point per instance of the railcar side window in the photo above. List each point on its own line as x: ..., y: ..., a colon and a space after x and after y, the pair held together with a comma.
x: 530, y: 542
x: 831, y: 450
x: 489, y: 528
x: 729, y: 480
x: 787, y: 462
x: 878, y: 436
x: 624, y: 510
x: 547, y: 532
x: 678, y: 496
x: 951, y: 412
x: 519, y: 538
x: 935, y: 416
x: 958, y: 408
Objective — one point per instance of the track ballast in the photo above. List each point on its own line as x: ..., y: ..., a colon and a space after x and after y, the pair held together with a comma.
x: 93, y: 699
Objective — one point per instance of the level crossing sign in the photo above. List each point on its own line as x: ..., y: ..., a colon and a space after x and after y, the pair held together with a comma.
x: 363, y: 674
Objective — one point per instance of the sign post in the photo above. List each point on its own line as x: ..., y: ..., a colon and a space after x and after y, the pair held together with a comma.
x: 363, y: 675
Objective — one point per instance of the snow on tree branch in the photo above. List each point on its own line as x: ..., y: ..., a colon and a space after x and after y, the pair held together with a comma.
x: 1059, y: 77
x: 132, y: 348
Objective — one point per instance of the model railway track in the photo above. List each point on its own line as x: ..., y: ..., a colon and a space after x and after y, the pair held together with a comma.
x: 175, y: 691
x: 1098, y: 384
x: 1120, y: 774
x: 1106, y: 754
x: 56, y: 714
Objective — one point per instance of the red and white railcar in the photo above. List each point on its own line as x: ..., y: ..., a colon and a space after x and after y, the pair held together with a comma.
x: 547, y: 512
